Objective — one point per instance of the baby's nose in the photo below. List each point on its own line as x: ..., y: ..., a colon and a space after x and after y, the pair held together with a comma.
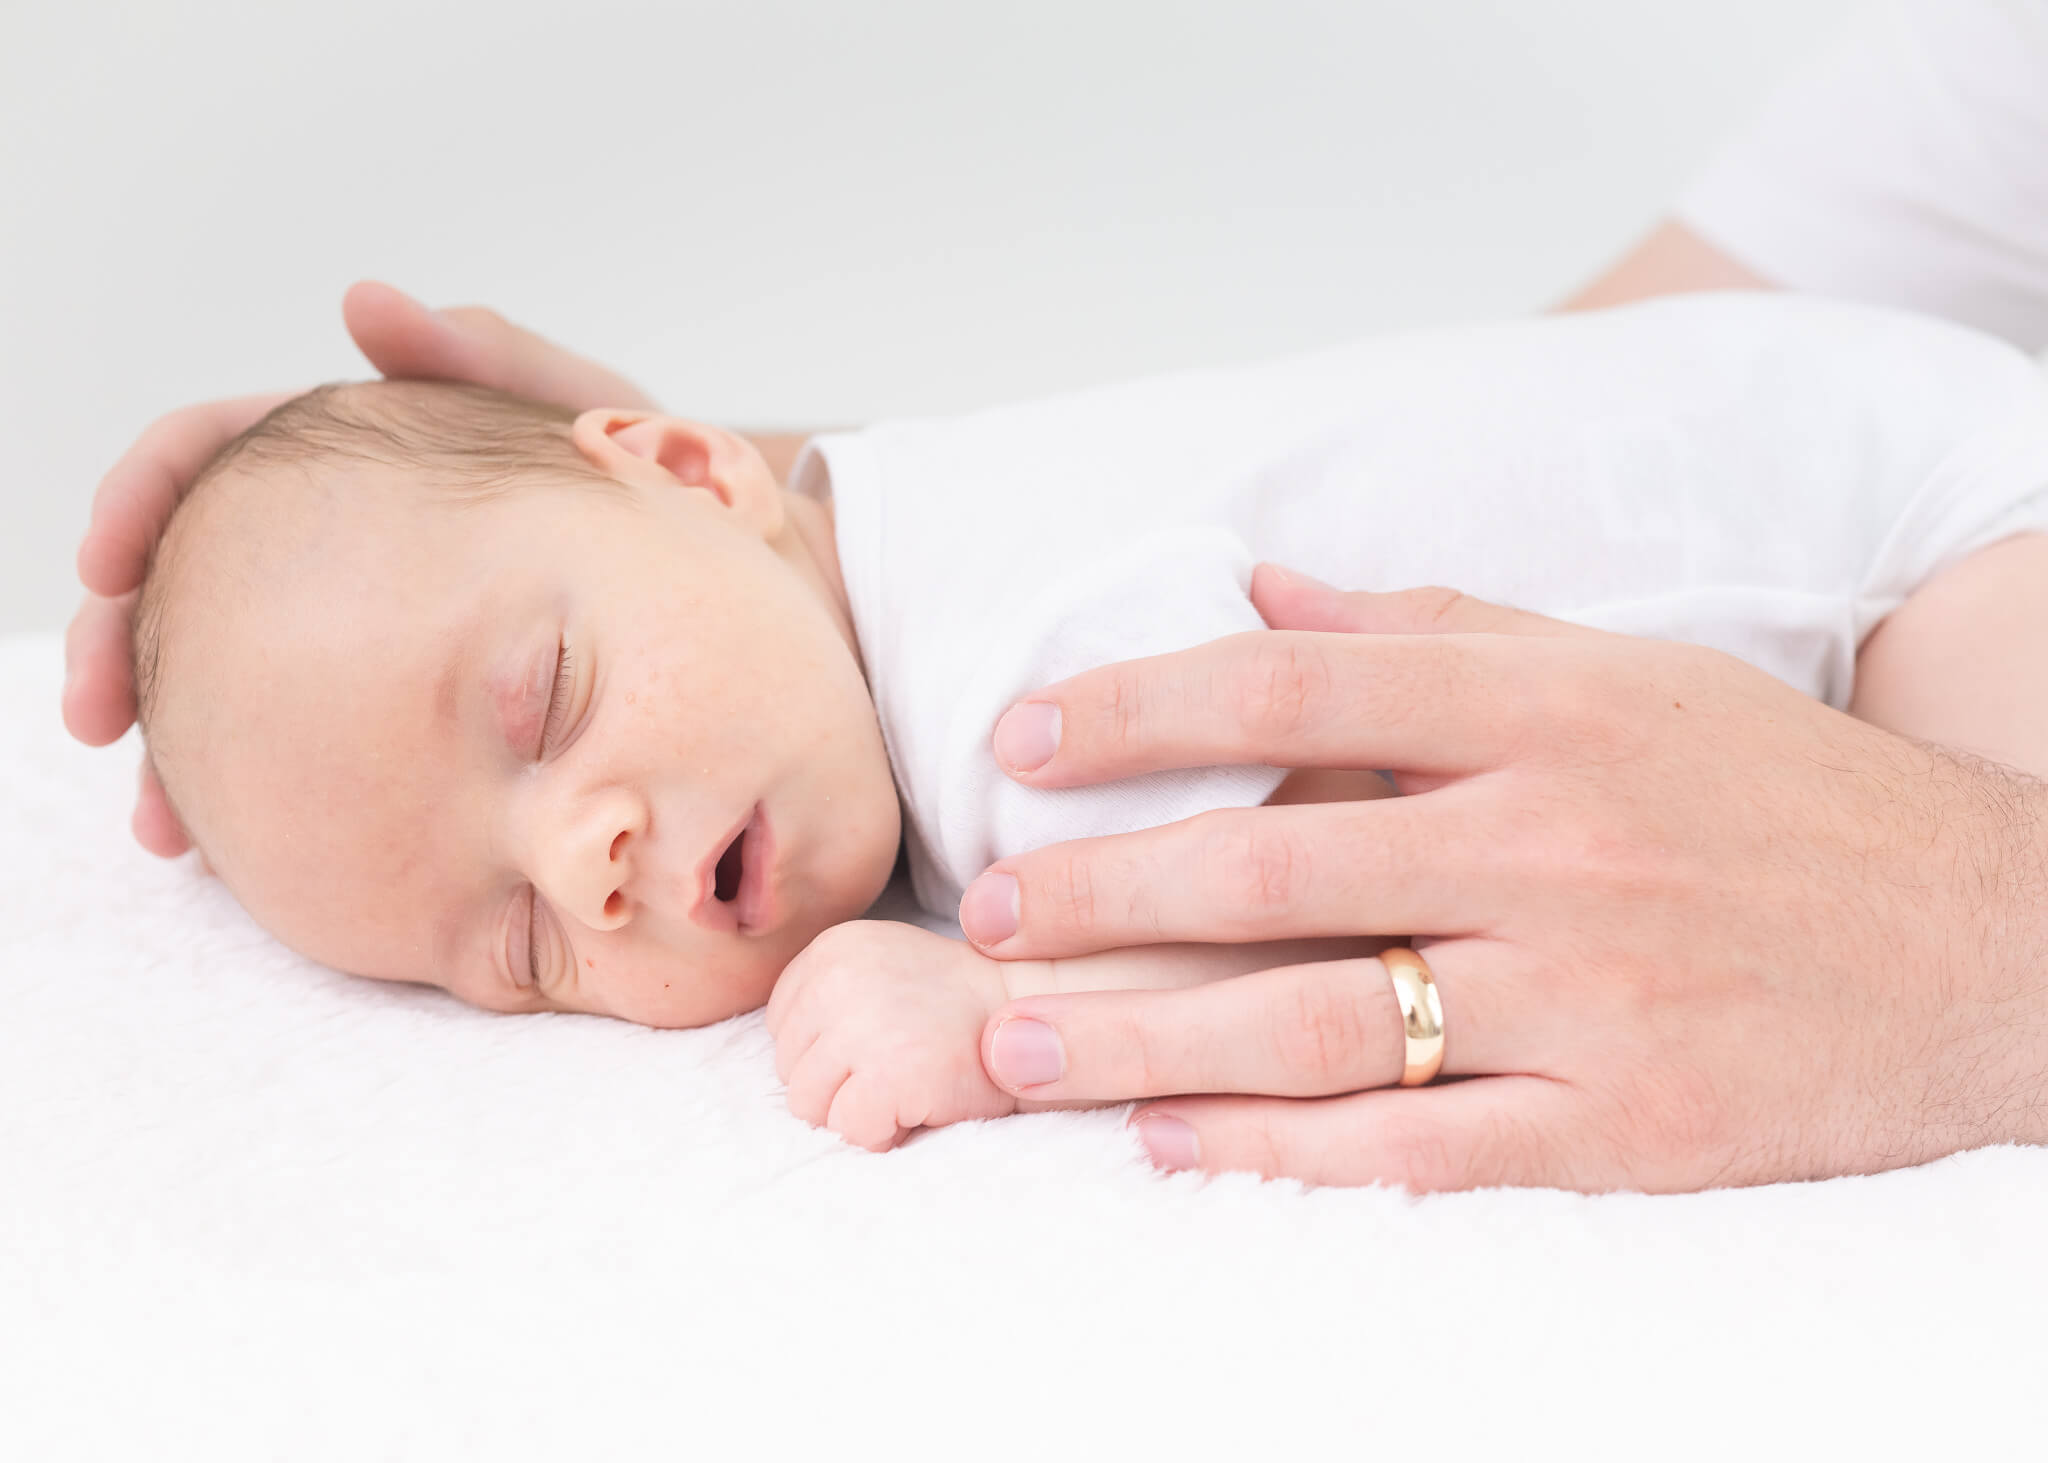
x: 589, y: 869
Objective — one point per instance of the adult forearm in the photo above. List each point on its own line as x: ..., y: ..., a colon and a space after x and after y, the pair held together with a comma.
x: 1670, y: 260
x: 779, y: 449
x: 1988, y: 1082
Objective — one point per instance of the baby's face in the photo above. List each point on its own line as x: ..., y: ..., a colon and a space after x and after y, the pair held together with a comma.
x: 563, y: 750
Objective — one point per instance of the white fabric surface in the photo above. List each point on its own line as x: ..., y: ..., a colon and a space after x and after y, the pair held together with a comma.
x: 1767, y: 474
x: 1908, y: 165
x: 253, y: 1209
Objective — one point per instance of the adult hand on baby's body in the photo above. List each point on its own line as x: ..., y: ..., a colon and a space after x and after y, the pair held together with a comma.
x: 1689, y: 927
x: 401, y: 338
x: 877, y: 1028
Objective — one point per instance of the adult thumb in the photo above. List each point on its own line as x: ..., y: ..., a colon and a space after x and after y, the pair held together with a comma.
x: 404, y: 339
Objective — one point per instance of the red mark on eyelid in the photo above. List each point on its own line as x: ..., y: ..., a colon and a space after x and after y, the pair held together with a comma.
x: 519, y: 693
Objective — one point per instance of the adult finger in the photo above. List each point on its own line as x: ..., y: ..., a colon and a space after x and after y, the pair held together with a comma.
x: 134, y: 500
x: 99, y: 685
x: 1290, y: 600
x: 155, y: 825
x: 403, y: 338
x: 1421, y: 703
x: 1489, y: 1132
x: 1386, y: 867
x: 1293, y: 1031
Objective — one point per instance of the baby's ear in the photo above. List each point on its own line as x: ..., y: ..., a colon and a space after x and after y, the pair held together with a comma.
x: 650, y: 450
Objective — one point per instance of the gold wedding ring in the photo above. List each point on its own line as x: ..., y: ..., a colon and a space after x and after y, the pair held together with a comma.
x: 1422, y: 1014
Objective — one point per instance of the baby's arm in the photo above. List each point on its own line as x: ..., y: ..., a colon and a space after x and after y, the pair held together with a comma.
x: 877, y: 1025
x: 1964, y: 662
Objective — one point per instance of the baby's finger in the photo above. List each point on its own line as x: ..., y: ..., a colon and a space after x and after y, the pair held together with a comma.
x: 790, y: 1053
x: 864, y: 1114
x: 815, y: 1083
x: 795, y: 1035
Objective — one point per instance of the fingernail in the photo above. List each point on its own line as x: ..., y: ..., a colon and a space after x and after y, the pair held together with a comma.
x: 1170, y: 1141
x: 988, y: 910
x: 1028, y: 735
x: 1295, y: 579
x: 1026, y: 1053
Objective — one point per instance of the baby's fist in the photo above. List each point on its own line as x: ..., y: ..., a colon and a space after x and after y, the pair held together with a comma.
x: 877, y: 1031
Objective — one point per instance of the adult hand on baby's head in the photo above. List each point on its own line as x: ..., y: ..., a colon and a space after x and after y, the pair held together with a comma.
x: 1688, y: 926
x: 401, y: 338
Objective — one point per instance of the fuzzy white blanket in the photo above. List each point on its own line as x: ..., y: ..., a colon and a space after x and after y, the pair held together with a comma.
x: 252, y: 1208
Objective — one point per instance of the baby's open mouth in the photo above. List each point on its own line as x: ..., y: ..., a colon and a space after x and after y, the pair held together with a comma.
x: 736, y: 881
x: 732, y: 867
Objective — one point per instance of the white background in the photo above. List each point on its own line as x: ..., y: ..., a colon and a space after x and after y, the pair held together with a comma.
x: 776, y: 213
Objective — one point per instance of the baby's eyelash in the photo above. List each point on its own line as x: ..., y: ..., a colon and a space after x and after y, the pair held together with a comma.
x: 533, y: 937
x: 558, y: 699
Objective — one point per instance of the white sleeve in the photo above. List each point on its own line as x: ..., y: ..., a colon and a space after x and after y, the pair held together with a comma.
x: 1908, y: 166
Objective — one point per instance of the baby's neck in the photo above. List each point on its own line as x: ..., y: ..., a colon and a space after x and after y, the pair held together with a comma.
x: 812, y: 548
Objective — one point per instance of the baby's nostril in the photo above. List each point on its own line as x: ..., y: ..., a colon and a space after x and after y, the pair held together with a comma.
x: 613, y: 904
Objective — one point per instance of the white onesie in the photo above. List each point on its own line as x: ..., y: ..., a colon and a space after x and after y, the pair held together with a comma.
x: 1770, y: 475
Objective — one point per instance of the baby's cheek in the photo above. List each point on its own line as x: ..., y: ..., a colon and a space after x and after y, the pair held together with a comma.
x: 680, y: 988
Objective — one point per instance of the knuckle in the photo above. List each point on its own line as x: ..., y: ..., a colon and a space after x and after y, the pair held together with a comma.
x: 1679, y: 1115
x: 1594, y: 713
x: 1256, y: 865
x: 1285, y: 688
x: 809, y: 1107
x: 1615, y: 865
x: 1420, y: 1157
x: 1320, y: 1033
x: 837, y: 947
x: 1265, y: 1145
x: 1152, y: 1061
x: 1065, y: 897
x: 1432, y: 606
x: 1124, y: 721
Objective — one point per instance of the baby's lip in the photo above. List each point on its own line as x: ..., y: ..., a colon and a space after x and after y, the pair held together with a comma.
x: 756, y: 898
x: 751, y: 903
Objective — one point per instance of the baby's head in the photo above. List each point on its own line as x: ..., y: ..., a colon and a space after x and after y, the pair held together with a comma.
x: 559, y: 712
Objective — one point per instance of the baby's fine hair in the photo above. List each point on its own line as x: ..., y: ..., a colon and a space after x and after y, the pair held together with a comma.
x: 469, y: 443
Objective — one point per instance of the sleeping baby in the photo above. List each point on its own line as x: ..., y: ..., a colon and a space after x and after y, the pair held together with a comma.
x: 588, y: 713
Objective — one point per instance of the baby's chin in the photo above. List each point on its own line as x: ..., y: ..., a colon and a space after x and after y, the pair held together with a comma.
x: 680, y: 998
